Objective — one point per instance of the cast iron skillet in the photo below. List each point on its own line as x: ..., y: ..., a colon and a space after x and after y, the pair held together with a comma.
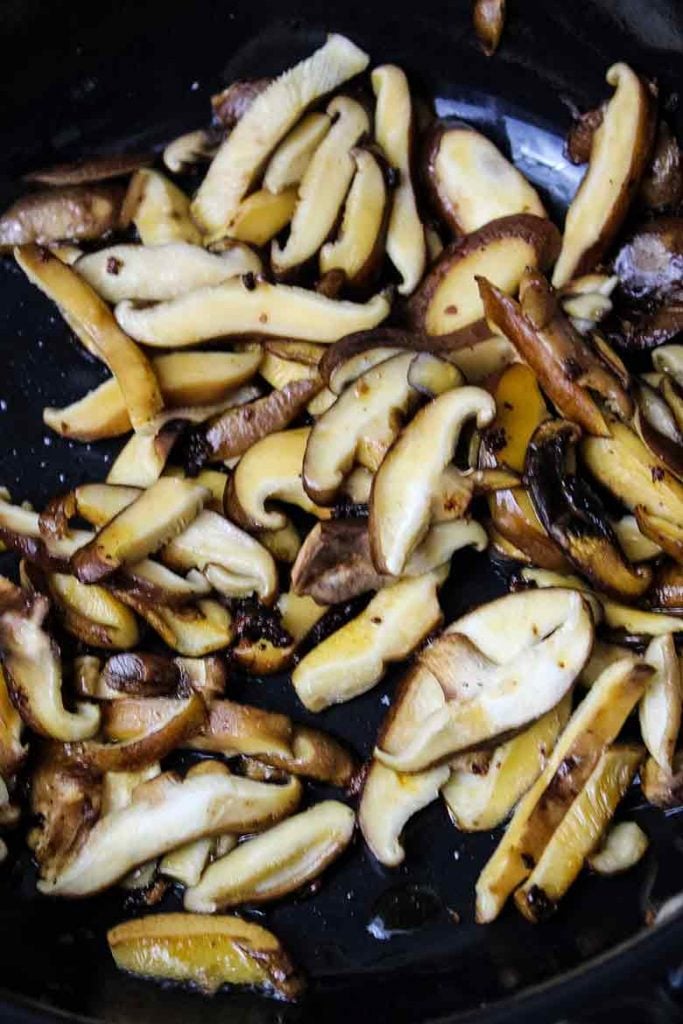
x: 82, y: 77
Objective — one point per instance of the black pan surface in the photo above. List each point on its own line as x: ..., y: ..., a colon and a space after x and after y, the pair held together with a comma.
x: 84, y: 77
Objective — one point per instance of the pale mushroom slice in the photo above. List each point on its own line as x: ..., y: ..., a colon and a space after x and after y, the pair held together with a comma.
x: 594, y: 725
x: 270, y: 470
x: 277, y: 862
x: 359, y: 248
x: 660, y: 707
x: 388, y: 802
x: 263, y: 215
x: 133, y: 371
x: 186, y: 864
x: 668, y: 359
x: 406, y: 245
x: 194, y: 630
x: 151, y: 273
x: 624, y: 845
x: 353, y: 659
x: 485, y: 697
x: 249, y: 307
x: 183, y: 153
x: 472, y: 183
x: 478, y: 802
x: 271, y: 115
x: 55, y: 214
x: 299, y: 613
x: 482, y: 359
x: 159, y: 210
x: 164, y: 814
x: 400, y: 505
x: 212, y: 543
x: 288, y: 163
x: 33, y: 671
x: 205, y: 951
x: 579, y: 832
x: 323, y: 187
x: 143, y: 527
x: 619, y: 153
x: 348, y: 370
x: 636, y: 546
x: 92, y: 614
x: 185, y: 379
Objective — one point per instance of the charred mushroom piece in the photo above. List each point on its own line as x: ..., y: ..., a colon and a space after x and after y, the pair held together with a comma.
x: 34, y: 675
x: 74, y: 212
x: 619, y: 154
x: 159, y: 210
x: 471, y: 182
x: 271, y: 115
x: 205, y: 951
x: 489, y: 19
x: 277, y: 862
x: 290, y: 160
x: 573, y: 515
x: 660, y: 707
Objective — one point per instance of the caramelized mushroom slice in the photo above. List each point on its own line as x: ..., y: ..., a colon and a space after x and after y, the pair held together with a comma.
x: 660, y: 707
x: 388, y: 802
x: 323, y: 186
x: 263, y: 215
x: 92, y: 614
x: 663, y: 788
x: 159, y: 210
x: 206, y: 951
x: 12, y: 751
x: 620, y: 151
x: 288, y: 163
x: 248, y: 307
x: 277, y: 862
x: 394, y: 129
x: 488, y: 17
x: 412, y: 471
x: 74, y: 212
x: 133, y: 371
x: 33, y: 671
x: 157, y: 272
x: 271, y: 115
x: 334, y: 563
x: 164, y: 814
x: 353, y: 659
x: 194, y: 630
x: 667, y: 590
x: 573, y: 515
x: 471, y: 182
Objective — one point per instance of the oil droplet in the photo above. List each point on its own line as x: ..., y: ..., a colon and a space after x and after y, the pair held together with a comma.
x: 401, y: 910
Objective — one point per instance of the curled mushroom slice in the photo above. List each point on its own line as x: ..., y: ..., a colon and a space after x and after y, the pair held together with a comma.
x: 206, y: 951
x: 277, y: 862
x: 620, y: 150
x: 567, y: 369
x: 92, y: 614
x: 394, y: 128
x: 270, y: 470
x: 73, y: 212
x: 448, y: 300
x: 288, y: 163
x: 159, y: 210
x: 158, y: 272
x: 212, y: 543
x: 133, y: 371
x: 624, y: 845
x: 594, y: 725
x: 154, y: 518
x: 411, y: 473
x: 484, y: 697
x: 263, y: 215
x: 388, y: 802
x: 660, y: 707
x: 33, y: 671
x: 271, y: 115
x: 323, y: 186
x: 353, y: 659
x: 236, y: 307
x: 471, y: 182
x: 187, y: 150
x: 164, y: 814
x: 574, y: 516
x: 137, y: 674
x: 488, y: 17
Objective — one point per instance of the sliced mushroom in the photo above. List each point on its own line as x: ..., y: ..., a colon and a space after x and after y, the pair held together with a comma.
x: 182, y: 154
x: 323, y: 186
x: 338, y: 372
x: 74, y: 212
x: 411, y: 473
x: 158, y: 272
x: 96, y: 503
x: 471, y: 182
x: 89, y: 169
x: 669, y: 360
x: 578, y: 832
x: 34, y: 676
x: 489, y: 19
x: 12, y: 751
x: 133, y: 371
x: 667, y: 590
x: 352, y: 660
x: 620, y: 151
x: 624, y: 845
x: 263, y: 215
x: 92, y: 614
x: 205, y: 951
x: 388, y: 801
x: 299, y: 613
x: 656, y: 424
x: 394, y: 129
x: 663, y: 788
x: 573, y: 515
x: 586, y: 300
x: 278, y: 862
x: 650, y: 263
x: 143, y: 457
x: 593, y: 726
x: 334, y: 563
x: 159, y: 210
x: 230, y: 105
x: 271, y: 115
x: 283, y: 544
x: 487, y: 691
x: 194, y: 631
x: 580, y: 135
x: 635, y: 545
x: 660, y: 707
x: 270, y: 470
x: 661, y: 187
x: 288, y: 163
x: 164, y: 814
